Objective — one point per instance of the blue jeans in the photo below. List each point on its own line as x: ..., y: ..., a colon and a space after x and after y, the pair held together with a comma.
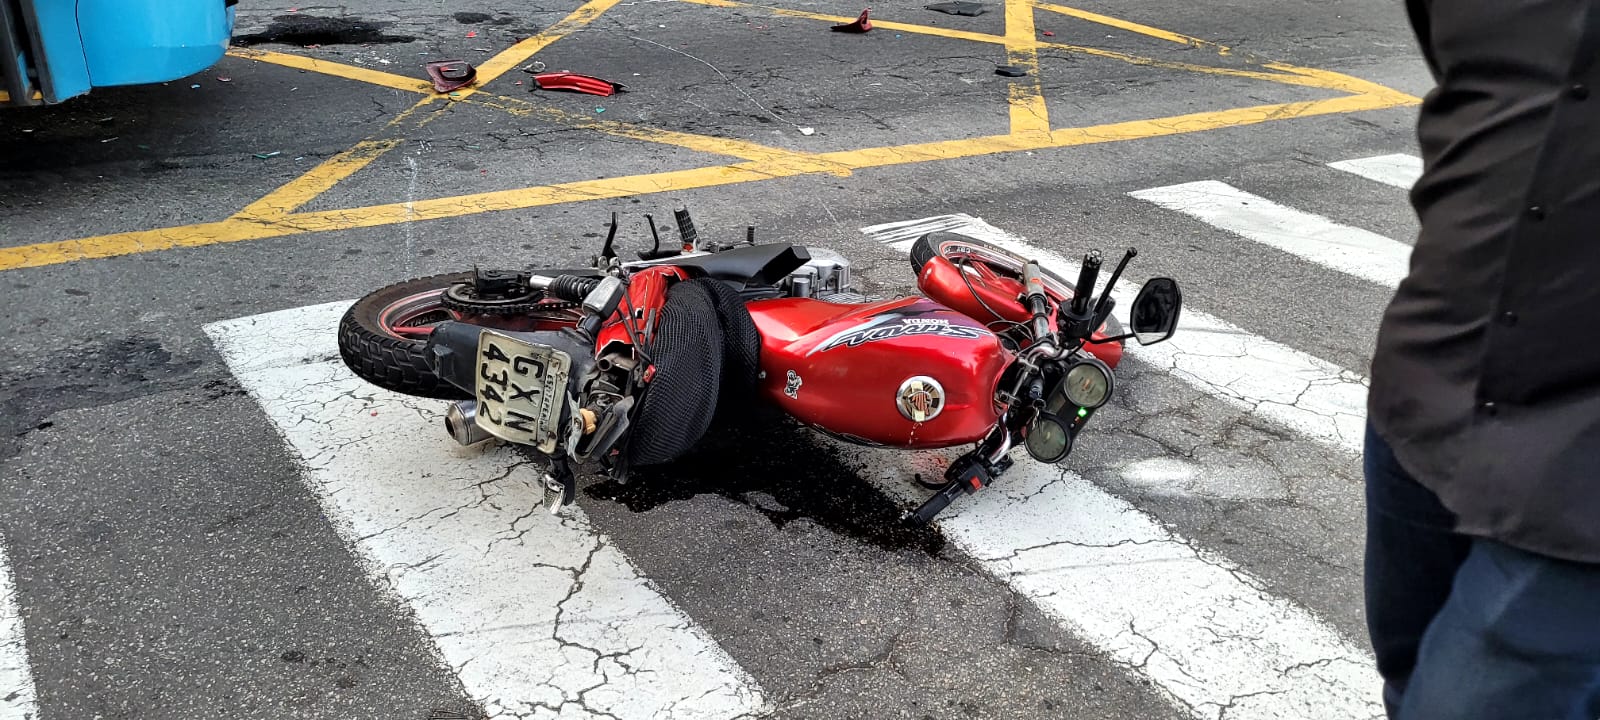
x: 1466, y: 628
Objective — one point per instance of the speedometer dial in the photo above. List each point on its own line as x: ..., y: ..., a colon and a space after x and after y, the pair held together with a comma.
x: 1087, y: 384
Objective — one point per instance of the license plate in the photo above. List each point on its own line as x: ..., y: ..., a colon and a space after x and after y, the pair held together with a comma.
x: 521, y: 390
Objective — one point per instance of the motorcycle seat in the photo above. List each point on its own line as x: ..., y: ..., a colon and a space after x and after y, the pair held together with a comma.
x: 755, y: 265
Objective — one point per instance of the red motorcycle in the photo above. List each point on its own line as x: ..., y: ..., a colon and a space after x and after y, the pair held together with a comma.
x: 626, y: 364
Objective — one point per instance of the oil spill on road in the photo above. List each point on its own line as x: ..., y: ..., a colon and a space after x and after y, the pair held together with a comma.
x: 774, y: 465
x: 312, y: 30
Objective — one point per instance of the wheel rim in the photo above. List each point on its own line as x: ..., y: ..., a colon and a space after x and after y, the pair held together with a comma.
x: 414, y: 317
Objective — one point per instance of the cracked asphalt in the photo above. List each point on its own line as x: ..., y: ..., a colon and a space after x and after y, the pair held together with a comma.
x: 182, y: 541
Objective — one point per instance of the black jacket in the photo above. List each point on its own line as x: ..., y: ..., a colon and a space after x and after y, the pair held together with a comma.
x: 1486, y: 378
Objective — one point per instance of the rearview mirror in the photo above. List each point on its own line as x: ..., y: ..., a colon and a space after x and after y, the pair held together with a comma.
x: 1154, y: 316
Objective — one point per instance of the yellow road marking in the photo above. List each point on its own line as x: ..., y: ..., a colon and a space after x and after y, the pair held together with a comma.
x: 317, y: 180
x: 336, y: 69
x: 700, y: 143
x: 515, y: 55
x: 273, y: 215
x: 1134, y: 27
x: 1025, y: 96
x: 6, y: 96
x: 951, y: 33
x: 235, y: 230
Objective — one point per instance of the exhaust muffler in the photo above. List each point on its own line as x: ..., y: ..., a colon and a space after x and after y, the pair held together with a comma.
x: 461, y: 421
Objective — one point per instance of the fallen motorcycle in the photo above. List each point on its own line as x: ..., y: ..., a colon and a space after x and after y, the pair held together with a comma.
x: 626, y: 363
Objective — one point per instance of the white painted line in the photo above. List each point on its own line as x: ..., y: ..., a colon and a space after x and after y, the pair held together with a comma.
x: 16, y: 678
x: 538, y: 615
x: 1200, y: 628
x: 1399, y: 170
x: 1361, y: 253
x: 1267, y: 379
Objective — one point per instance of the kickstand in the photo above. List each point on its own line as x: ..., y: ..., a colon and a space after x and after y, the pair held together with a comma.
x: 560, y: 485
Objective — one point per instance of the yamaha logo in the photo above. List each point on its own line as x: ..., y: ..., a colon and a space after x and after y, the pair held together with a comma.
x: 920, y: 399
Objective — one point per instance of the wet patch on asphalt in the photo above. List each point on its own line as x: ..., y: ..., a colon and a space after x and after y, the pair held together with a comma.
x: 311, y: 30
x: 775, y: 466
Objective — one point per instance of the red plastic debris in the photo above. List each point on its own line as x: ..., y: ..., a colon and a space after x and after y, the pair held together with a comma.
x: 1047, y: 33
x: 861, y: 25
x: 577, y: 83
x: 450, y: 75
x: 472, y: 33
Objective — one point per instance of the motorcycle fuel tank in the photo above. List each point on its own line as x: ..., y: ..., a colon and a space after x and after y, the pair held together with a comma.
x: 907, y: 373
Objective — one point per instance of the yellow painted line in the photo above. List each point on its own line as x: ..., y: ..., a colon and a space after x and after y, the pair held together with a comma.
x: 235, y: 230
x: 6, y: 96
x: 700, y: 143
x: 1340, y: 81
x: 1134, y: 27
x: 517, y: 54
x: 341, y: 70
x: 877, y: 24
x: 1029, y: 113
x: 1110, y: 132
x: 317, y: 180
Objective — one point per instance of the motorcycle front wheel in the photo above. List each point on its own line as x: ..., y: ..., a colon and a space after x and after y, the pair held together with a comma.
x: 382, y: 336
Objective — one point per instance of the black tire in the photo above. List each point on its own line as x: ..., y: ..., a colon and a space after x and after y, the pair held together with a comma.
x: 931, y: 244
x: 381, y: 358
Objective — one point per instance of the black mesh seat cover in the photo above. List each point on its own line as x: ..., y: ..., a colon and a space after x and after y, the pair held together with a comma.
x: 704, y: 342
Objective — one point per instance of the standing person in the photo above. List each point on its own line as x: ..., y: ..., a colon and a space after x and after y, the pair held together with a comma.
x: 1483, y: 443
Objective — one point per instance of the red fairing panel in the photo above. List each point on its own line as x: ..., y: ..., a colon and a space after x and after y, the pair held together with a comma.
x: 841, y: 368
x: 941, y: 280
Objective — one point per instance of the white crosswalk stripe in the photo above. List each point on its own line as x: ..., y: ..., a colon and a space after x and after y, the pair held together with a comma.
x: 542, y: 616
x: 1201, y: 629
x: 1399, y: 170
x: 539, y: 615
x: 1349, y: 250
x: 16, y: 677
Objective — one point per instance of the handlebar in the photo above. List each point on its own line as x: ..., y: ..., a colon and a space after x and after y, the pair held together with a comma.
x: 1084, y: 291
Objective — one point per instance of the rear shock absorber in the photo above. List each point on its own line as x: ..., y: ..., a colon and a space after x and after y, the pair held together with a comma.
x: 573, y: 288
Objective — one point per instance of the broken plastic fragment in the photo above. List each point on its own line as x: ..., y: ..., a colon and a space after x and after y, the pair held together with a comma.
x: 577, y: 83
x: 861, y: 25
x: 807, y: 131
x: 450, y: 75
x: 970, y: 9
x: 472, y: 33
x: 265, y: 155
x: 1010, y: 71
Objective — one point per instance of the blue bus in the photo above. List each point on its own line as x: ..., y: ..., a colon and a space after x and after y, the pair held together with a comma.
x: 52, y: 50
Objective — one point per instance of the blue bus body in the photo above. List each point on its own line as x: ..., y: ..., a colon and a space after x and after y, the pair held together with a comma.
x: 52, y: 50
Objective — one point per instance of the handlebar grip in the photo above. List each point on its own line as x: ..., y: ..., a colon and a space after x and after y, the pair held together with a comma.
x: 1087, y: 275
x: 938, y: 502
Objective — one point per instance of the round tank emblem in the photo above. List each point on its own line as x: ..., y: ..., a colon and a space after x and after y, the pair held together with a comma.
x: 920, y: 399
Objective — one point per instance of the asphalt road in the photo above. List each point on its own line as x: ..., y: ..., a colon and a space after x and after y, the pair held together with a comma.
x: 186, y: 539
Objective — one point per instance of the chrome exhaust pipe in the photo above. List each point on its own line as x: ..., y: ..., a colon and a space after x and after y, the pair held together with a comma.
x: 461, y: 421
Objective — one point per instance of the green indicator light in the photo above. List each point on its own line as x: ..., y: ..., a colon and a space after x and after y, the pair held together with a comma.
x: 1083, y: 412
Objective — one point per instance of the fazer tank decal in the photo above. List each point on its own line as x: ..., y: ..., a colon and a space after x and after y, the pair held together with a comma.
x: 895, y: 327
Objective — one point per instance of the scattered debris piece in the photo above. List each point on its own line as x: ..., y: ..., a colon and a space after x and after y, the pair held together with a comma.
x: 1047, y: 33
x: 224, y: 78
x: 451, y: 74
x: 578, y: 83
x: 519, y: 82
x: 265, y: 155
x: 808, y: 131
x: 599, y: 110
x: 109, y: 139
x: 861, y: 25
x: 1011, y: 71
x: 472, y: 33
x: 970, y: 9
x: 194, y: 87
x: 533, y: 67
x: 483, y: 49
